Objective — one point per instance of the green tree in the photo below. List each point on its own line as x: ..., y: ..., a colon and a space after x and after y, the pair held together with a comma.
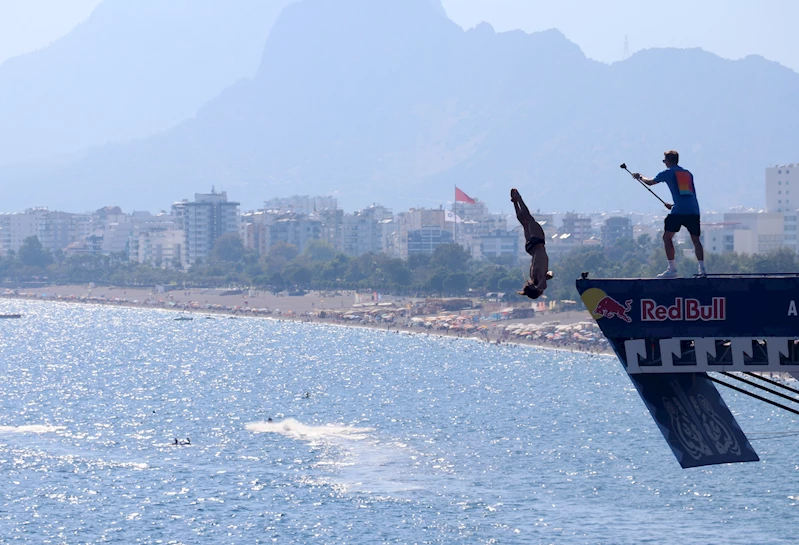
x: 334, y: 270
x: 284, y: 250
x: 398, y: 273
x: 299, y: 275
x: 319, y: 250
x: 437, y: 281
x: 451, y: 257
x: 32, y: 254
x: 456, y: 283
x: 279, y: 256
x: 228, y: 248
x: 418, y: 261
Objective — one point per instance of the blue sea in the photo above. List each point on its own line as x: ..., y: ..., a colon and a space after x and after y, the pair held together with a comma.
x: 376, y: 437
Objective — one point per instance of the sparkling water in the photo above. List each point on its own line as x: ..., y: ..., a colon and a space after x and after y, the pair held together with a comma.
x: 375, y: 437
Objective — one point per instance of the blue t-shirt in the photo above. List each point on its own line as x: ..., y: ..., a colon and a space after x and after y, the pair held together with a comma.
x: 683, y: 192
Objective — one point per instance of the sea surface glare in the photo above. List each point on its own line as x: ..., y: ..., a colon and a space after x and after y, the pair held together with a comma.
x: 376, y: 437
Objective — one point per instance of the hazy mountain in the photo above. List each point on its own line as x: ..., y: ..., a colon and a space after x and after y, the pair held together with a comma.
x: 390, y: 102
x: 132, y: 69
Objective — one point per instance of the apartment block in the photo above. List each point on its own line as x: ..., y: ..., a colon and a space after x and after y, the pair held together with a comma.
x: 423, y: 230
x: 780, y: 181
x: 745, y: 233
x: 615, y: 229
x: 292, y: 228
x: 362, y: 231
x: 301, y: 204
x: 16, y: 227
x: 204, y: 220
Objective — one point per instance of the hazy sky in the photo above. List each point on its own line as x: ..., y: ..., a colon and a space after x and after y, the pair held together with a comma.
x: 730, y: 28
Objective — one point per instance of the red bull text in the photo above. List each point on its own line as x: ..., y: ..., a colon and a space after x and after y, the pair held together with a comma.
x: 690, y: 310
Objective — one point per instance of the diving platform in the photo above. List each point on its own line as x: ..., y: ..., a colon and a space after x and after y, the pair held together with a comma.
x: 670, y: 333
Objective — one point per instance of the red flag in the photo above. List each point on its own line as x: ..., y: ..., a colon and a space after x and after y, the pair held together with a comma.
x: 460, y: 196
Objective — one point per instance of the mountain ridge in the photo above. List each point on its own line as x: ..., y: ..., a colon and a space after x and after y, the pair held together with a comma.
x: 387, y: 102
x: 129, y: 70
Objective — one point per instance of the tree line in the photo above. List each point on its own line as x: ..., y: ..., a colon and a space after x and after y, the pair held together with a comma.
x: 448, y: 271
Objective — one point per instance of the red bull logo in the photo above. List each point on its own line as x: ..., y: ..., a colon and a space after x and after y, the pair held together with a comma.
x: 602, y: 305
x: 688, y: 309
x: 608, y: 307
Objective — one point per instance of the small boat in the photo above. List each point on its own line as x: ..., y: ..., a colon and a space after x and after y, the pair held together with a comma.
x: 10, y: 316
x: 184, y: 318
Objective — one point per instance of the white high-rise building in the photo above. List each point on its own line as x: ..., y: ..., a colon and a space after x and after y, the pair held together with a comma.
x: 16, y: 227
x: 422, y: 231
x: 755, y: 233
x: 159, y: 247
x: 204, y: 220
x: 301, y: 204
x: 362, y: 232
x: 781, y: 182
x: 156, y: 240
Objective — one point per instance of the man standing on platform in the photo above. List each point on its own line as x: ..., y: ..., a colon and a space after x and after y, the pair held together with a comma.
x: 684, y: 211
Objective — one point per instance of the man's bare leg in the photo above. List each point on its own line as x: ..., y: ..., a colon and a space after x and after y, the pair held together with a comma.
x: 531, y: 227
x: 698, y: 248
x: 668, y: 245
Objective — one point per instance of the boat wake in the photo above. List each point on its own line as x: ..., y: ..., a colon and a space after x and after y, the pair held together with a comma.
x: 297, y: 430
x: 31, y: 428
x: 352, y: 459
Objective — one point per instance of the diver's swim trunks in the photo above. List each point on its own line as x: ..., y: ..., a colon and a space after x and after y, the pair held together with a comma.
x: 531, y: 243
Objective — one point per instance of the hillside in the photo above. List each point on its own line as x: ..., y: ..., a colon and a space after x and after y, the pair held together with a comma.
x: 130, y: 70
x: 390, y: 102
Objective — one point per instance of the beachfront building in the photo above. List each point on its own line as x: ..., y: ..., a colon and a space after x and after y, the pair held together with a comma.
x: 90, y: 244
x: 157, y: 247
x: 362, y: 232
x: 332, y: 222
x: 497, y: 244
x: 427, y: 239
x: 262, y: 230
x: 488, y: 237
x: 389, y: 236
x: 292, y: 228
x: 253, y: 231
x: 301, y: 204
x: 578, y: 226
x: 16, y: 227
x: 719, y: 237
x: 204, y: 220
x: 422, y: 230
x: 55, y: 230
x: 616, y: 229
x: 790, y: 225
x: 476, y: 211
x: 746, y: 233
x: 156, y: 240
x: 780, y: 180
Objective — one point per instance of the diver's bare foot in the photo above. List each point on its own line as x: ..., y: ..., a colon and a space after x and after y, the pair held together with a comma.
x: 550, y: 275
x: 514, y: 195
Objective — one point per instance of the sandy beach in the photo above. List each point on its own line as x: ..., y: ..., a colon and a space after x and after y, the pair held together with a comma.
x: 573, y: 330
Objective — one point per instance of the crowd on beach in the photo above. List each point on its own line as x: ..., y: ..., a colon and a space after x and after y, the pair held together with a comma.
x: 400, y: 315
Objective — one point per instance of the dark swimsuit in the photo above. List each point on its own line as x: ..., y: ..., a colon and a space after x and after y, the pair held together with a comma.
x: 531, y: 243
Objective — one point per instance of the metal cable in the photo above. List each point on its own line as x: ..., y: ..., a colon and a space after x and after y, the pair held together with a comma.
x: 770, y: 381
x: 746, y: 392
x: 760, y: 386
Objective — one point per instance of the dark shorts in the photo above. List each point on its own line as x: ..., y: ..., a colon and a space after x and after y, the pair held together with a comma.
x: 531, y: 243
x: 673, y: 223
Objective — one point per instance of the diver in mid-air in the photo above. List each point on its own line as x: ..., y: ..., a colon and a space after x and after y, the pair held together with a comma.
x: 535, y: 242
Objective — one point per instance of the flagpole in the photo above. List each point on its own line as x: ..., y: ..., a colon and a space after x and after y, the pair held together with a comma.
x: 455, y: 216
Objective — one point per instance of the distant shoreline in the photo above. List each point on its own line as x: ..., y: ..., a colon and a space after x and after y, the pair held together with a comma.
x: 299, y: 309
